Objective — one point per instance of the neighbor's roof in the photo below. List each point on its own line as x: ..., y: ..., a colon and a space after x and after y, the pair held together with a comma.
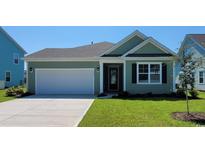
x: 200, y: 40
x: 85, y: 51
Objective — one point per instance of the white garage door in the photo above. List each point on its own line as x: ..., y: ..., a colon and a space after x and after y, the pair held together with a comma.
x: 64, y: 81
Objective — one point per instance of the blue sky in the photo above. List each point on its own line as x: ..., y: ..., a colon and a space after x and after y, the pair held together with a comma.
x: 35, y: 38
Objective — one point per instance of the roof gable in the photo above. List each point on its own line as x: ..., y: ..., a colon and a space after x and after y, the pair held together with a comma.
x: 12, y: 40
x: 150, y: 46
x: 126, y: 44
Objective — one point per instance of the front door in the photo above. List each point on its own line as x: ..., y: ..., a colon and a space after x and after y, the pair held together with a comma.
x: 113, y: 78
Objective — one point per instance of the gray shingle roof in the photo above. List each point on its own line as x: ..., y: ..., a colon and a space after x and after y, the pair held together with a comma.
x: 85, y: 51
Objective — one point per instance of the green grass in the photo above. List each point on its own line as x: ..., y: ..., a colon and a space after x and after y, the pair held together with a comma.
x: 3, y: 97
x: 149, y: 112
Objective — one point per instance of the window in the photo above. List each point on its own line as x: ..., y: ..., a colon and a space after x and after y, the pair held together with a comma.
x: 154, y: 73
x: 143, y: 73
x: 8, y: 76
x: 149, y: 73
x: 16, y: 58
x: 201, y: 77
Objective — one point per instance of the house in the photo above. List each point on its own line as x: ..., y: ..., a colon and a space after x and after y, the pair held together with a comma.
x: 136, y: 64
x: 195, y: 44
x: 11, y: 61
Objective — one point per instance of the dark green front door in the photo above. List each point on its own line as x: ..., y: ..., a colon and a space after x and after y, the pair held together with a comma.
x: 113, y: 78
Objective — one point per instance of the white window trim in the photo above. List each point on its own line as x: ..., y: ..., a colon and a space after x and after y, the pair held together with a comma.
x: 149, y: 63
x: 203, y: 77
x: 14, y: 56
x: 5, y: 76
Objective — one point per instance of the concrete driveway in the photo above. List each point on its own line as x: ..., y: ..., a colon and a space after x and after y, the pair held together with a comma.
x: 44, y: 111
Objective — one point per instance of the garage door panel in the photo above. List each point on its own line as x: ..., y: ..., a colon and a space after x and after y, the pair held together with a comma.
x: 65, y: 81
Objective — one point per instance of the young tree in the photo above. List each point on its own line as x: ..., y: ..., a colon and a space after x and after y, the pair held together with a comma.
x: 186, y: 76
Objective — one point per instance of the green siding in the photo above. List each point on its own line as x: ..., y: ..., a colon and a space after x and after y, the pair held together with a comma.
x: 127, y: 46
x: 149, y: 48
x: 145, y: 88
x: 34, y: 65
x: 132, y: 88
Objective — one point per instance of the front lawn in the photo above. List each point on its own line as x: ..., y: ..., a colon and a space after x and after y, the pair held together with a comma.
x: 145, y: 112
x: 3, y: 97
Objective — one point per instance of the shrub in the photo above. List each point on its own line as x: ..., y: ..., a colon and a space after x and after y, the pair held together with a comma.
x: 19, y: 91
x: 194, y: 93
x: 26, y: 94
x: 102, y: 95
x: 149, y: 94
x: 123, y: 94
x: 10, y: 91
x: 180, y: 93
x: 173, y: 94
x: 15, y: 91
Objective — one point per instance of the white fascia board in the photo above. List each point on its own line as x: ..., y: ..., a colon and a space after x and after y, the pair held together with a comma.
x: 104, y: 59
x: 135, y: 33
x: 150, y: 58
x: 59, y: 59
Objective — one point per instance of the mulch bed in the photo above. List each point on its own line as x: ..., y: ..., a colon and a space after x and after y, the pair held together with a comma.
x: 197, y: 117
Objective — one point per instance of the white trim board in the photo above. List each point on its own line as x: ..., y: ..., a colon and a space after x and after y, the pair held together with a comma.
x: 149, y: 58
x: 59, y: 59
x: 124, y: 76
x: 174, y: 76
x: 104, y: 59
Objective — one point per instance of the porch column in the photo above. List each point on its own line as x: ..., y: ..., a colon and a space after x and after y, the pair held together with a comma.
x: 174, y: 79
x: 101, y: 77
x: 124, y: 76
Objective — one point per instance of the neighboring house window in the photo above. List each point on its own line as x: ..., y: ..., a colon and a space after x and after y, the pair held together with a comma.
x: 201, y: 77
x: 8, y: 76
x: 149, y: 73
x: 16, y: 58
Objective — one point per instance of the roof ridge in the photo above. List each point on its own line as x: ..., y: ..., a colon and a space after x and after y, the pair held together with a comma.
x: 81, y: 45
x: 92, y: 44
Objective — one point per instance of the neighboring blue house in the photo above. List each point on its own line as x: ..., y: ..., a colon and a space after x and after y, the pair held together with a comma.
x: 195, y: 44
x: 11, y: 61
